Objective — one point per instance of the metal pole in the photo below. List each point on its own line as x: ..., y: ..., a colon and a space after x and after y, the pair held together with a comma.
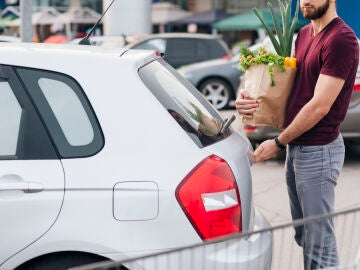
x: 26, y: 27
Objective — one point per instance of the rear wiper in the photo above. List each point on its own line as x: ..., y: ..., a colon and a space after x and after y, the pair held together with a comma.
x: 225, y: 124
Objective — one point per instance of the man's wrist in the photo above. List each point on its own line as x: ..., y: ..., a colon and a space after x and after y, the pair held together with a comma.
x: 279, y: 144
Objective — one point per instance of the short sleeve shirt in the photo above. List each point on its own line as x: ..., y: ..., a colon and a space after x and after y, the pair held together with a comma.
x: 334, y: 52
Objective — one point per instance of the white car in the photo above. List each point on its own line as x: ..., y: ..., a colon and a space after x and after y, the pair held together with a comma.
x: 87, y: 176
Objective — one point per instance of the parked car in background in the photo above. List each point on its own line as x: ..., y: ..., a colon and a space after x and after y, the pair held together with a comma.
x: 218, y: 80
x: 84, y: 180
x: 181, y: 49
x: 350, y: 128
x: 4, y: 38
x: 106, y: 41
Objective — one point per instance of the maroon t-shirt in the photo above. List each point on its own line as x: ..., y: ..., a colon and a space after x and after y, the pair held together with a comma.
x: 334, y: 52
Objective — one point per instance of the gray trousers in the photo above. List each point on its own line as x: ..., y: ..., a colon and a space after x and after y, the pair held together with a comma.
x: 311, y: 174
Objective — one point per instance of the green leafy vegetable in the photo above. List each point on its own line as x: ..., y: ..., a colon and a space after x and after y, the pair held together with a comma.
x: 249, y: 58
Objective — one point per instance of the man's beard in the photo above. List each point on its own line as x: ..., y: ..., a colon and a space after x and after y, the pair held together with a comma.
x: 317, y: 13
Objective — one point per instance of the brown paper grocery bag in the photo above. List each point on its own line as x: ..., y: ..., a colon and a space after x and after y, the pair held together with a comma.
x: 272, y: 99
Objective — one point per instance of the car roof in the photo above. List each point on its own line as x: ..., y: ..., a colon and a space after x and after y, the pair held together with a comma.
x: 52, y: 56
x: 172, y: 35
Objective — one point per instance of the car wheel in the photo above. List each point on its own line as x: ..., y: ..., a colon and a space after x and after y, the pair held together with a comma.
x: 61, y: 261
x: 217, y: 92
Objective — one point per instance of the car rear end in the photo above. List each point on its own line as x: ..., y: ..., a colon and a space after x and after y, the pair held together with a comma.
x: 170, y: 173
x: 215, y: 191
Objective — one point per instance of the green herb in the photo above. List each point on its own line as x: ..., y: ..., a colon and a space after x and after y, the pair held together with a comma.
x: 249, y: 58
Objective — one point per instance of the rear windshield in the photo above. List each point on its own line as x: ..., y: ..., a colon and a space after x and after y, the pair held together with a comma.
x: 184, y: 103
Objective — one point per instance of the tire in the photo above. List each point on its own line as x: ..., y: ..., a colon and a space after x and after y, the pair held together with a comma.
x: 217, y: 91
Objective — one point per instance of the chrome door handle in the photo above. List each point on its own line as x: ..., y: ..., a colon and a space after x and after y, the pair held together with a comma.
x: 27, y: 187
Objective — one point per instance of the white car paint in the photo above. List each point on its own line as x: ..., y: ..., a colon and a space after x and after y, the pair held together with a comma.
x: 119, y: 201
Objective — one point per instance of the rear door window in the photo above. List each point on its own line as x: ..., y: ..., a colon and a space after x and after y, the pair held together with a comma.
x: 185, y: 104
x: 10, y: 117
x: 23, y: 136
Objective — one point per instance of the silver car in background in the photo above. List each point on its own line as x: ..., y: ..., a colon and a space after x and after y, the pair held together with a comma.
x: 218, y: 80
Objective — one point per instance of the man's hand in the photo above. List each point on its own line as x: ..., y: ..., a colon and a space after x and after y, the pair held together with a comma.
x: 266, y: 150
x: 245, y: 105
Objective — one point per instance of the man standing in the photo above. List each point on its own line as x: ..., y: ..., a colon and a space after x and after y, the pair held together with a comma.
x: 327, y: 55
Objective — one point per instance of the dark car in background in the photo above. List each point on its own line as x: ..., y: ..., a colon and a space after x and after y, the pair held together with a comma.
x: 218, y: 80
x: 181, y: 49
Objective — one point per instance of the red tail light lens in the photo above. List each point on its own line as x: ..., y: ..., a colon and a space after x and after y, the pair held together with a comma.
x: 226, y: 57
x: 249, y: 128
x: 210, y: 198
x: 357, y: 84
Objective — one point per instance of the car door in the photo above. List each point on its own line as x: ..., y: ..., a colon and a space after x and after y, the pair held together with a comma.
x: 31, y: 175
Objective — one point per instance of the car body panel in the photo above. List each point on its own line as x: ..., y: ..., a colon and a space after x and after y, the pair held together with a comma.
x: 27, y: 214
x: 145, y: 156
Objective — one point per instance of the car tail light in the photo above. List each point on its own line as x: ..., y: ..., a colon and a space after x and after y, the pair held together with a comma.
x: 249, y: 128
x: 357, y: 84
x: 226, y: 57
x: 210, y: 198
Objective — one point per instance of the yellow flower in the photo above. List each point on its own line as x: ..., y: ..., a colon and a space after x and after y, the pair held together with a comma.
x: 290, y: 62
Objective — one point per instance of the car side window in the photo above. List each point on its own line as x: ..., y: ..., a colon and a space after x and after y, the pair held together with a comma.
x: 66, y: 112
x: 10, y: 117
x: 203, y: 50
x: 217, y: 49
x: 23, y: 135
x: 181, y: 48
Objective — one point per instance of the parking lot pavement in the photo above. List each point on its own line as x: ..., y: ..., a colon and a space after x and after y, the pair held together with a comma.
x: 270, y: 191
